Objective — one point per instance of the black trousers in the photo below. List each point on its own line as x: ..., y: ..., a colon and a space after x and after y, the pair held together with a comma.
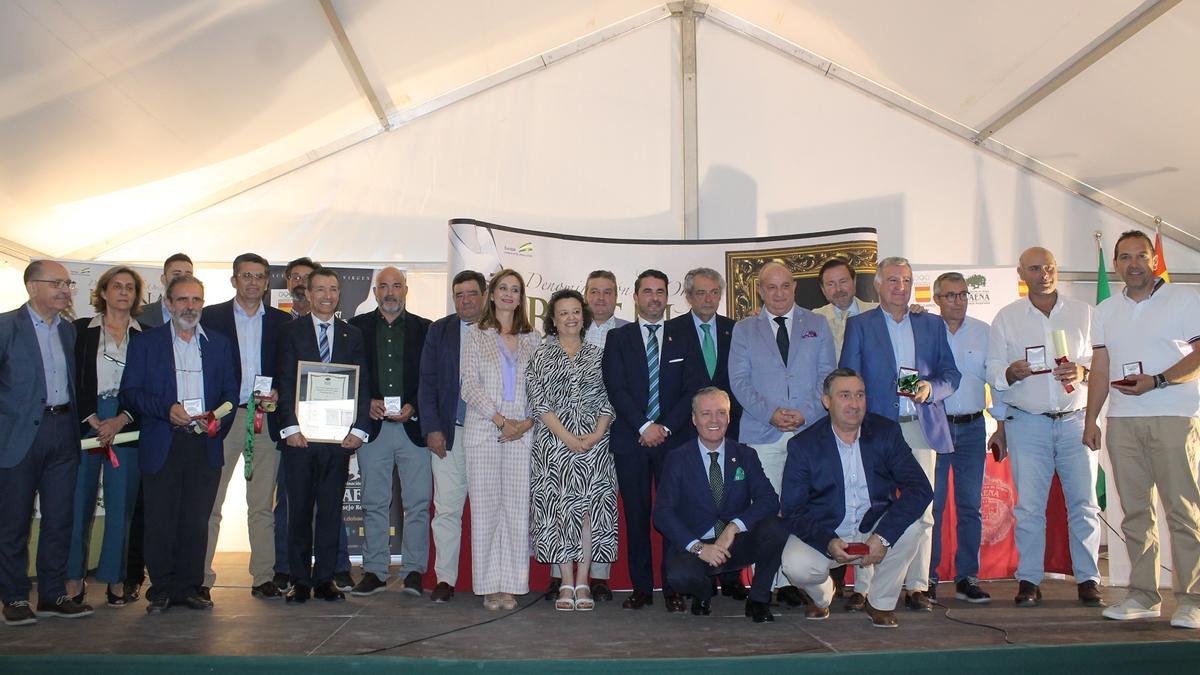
x: 48, y: 471
x: 135, y: 560
x: 178, y: 501
x: 316, y: 482
x: 762, y: 547
x: 635, y: 473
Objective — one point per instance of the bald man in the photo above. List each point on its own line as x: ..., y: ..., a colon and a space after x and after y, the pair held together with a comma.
x: 1047, y: 403
x: 394, y: 338
x: 778, y: 360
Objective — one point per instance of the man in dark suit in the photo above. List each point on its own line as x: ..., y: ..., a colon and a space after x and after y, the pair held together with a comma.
x: 251, y: 327
x: 718, y: 512
x: 650, y: 383
x: 442, y: 416
x: 177, y: 374
x: 884, y: 345
x: 393, y: 338
x: 839, y: 488
x: 317, y: 472
x: 154, y: 314
x: 40, y: 453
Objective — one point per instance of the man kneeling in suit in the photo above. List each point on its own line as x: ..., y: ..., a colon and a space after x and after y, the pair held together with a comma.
x: 718, y: 511
x: 839, y: 488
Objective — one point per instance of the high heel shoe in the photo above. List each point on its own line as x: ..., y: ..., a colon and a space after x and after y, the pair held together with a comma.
x: 115, y: 600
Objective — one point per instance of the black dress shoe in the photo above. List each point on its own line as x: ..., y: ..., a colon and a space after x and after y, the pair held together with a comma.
x: 967, y: 589
x: 343, y: 581
x: 734, y: 590
x: 369, y: 584
x: 675, y: 603
x: 552, y: 589
x: 158, y: 605
x: 701, y: 607
x: 1028, y: 594
x: 327, y: 591
x: 204, y: 592
x: 1089, y: 594
x: 792, y: 596
x: 266, y: 591
x: 637, y: 600
x: 412, y: 584
x: 196, y: 602
x: 282, y: 581
x: 443, y: 592
x: 759, y: 611
x: 297, y: 595
x: 600, y: 590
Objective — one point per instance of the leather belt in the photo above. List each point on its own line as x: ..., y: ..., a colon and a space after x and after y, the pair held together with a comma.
x: 58, y: 409
x: 964, y: 419
x: 1051, y: 415
x: 906, y: 418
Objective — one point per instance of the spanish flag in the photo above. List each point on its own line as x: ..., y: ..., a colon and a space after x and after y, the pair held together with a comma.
x: 1022, y: 288
x: 1160, y: 270
x: 923, y: 294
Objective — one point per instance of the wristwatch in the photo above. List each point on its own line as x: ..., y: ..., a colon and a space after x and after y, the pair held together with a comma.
x: 1160, y: 381
x: 697, y: 548
x: 885, y: 542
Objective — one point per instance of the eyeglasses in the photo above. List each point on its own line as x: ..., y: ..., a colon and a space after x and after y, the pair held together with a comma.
x: 297, y: 277
x: 961, y: 295
x: 60, y: 284
x: 251, y: 276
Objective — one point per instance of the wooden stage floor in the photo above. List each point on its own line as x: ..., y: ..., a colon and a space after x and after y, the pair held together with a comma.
x: 395, y: 624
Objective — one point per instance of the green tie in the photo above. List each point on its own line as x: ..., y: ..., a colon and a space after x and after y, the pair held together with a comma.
x: 710, y: 350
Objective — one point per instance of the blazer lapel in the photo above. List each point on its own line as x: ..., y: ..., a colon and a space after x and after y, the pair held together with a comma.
x: 767, y: 333
x: 28, y: 337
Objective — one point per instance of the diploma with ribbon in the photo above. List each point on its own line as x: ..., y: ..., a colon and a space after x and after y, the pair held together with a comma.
x: 210, y: 422
x: 260, y: 404
x: 1060, y: 348
x: 93, y: 443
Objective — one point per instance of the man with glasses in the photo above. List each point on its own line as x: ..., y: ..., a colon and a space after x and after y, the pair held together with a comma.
x: 837, y: 285
x: 295, y: 277
x: 1043, y: 431
x: 968, y: 339
x: 40, y: 455
x: 250, y: 326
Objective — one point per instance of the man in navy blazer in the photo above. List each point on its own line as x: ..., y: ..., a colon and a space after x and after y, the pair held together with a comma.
x: 40, y: 453
x: 174, y: 374
x: 880, y: 344
x: 251, y: 327
x: 840, y: 487
x: 316, y: 472
x: 650, y: 420
x: 442, y: 415
x: 718, y: 512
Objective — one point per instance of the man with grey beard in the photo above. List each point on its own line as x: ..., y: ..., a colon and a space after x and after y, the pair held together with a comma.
x: 393, y: 338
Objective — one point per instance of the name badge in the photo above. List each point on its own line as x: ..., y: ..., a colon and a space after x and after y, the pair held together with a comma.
x: 194, y: 407
x: 262, y: 385
x: 392, y: 406
x: 1036, y: 356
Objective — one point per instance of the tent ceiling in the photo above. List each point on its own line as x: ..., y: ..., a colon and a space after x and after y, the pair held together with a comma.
x: 129, y: 113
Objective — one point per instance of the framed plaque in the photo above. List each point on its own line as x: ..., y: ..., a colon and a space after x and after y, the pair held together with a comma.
x: 326, y: 400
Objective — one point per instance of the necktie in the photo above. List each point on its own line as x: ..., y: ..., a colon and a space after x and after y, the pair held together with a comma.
x: 781, y: 338
x: 652, y: 365
x: 710, y: 350
x: 717, y: 485
x: 323, y: 343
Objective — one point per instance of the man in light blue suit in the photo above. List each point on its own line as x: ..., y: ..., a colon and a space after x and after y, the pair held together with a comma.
x: 40, y: 453
x: 880, y: 343
x: 777, y: 362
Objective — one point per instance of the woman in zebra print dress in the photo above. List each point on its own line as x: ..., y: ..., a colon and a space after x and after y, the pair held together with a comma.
x: 572, y: 480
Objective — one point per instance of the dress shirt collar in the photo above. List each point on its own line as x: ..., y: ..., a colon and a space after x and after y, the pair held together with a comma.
x: 704, y: 456
x: 787, y: 315
x: 98, y: 320
x: 399, y: 317
x: 237, y: 307
x: 1031, y: 309
x: 1158, y: 283
x: 37, y: 319
x: 607, y: 325
x: 199, y: 332
x: 712, y: 321
x: 643, y: 323
x: 317, y: 322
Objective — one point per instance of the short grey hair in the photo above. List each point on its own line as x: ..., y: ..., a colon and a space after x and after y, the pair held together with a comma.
x: 689, y: 281
x: 827, y: 383
x: 944, y: 277
x: 890, y: 261
x: 709, y: 390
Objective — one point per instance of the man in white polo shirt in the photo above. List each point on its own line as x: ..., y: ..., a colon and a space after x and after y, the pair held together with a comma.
x: 1045, y: 423
x: 1145, y: 341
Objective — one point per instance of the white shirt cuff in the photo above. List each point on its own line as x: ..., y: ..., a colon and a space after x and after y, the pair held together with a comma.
x: 642, y: 429
x: 690, y: 544
x: 288, y: 431
x: 361, y: 434
x: 740, y: 525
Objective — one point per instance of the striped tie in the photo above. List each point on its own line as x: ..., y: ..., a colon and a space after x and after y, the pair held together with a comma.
x: 717, y: 485
x: 323, y: 343
x: 652, y: 364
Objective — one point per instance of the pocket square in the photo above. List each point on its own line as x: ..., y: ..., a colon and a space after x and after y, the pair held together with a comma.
x: 739, y: 474
x: 675, y: 360
x: 808, y: 334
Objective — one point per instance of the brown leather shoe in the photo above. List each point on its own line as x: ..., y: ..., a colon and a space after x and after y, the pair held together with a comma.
x: 814, y: 613
x: 918, y: 601
x: 637, y: 600
x: 881, y: 618
x: 1089, y: 594
x: 1028, y: 594
x: 675, y: 603
x: 855, y: 602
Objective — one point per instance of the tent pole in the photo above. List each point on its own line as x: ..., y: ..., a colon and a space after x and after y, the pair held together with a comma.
x: 350, y: 57
x: 691, y: 164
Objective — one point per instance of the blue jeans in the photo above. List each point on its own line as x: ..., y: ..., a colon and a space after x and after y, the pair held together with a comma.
x: 1039, y: 448
x: 281, y: 528
x: 968, y: 460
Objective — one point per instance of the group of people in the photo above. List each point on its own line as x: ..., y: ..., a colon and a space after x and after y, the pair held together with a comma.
x: 800, y: 442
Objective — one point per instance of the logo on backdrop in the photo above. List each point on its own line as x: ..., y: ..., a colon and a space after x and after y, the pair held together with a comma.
x: 997, y: 510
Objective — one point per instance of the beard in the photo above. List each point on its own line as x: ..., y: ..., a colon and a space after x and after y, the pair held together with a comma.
x: 186, y: 321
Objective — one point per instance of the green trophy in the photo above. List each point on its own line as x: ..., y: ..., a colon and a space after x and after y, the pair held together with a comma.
x: 906, y: 383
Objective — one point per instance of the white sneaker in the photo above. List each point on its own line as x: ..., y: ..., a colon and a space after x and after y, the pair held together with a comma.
x: 1130, y: 609
x: 1187, y: 616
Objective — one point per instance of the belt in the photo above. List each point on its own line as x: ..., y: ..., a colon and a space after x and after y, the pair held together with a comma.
x: 906, y: 418
x: 58, y: 409
x: 963, y: 419
x: 1051, y: 415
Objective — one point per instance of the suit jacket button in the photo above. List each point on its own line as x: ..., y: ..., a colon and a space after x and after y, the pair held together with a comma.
x: 896, y: 404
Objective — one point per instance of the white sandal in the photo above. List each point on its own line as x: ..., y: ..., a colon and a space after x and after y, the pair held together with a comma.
x: 584, y: 604
x: 565, y: 604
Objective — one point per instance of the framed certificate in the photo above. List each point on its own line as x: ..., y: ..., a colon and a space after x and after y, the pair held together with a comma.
x: 326, y: 400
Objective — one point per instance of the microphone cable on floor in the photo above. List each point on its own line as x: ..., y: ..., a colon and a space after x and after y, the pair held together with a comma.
x: 1007, y: 639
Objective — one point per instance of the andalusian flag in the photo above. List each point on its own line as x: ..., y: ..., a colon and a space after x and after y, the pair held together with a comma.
x: 1102, y: 293
x: 1161, y: 269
